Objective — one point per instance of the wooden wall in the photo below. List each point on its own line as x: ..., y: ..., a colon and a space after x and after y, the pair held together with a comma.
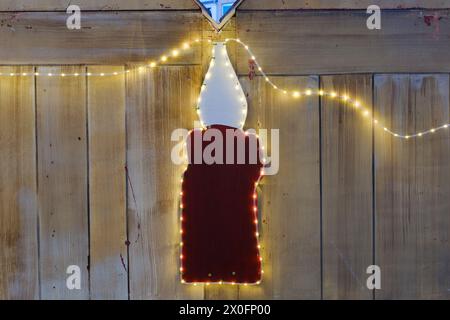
x: 86, y: 177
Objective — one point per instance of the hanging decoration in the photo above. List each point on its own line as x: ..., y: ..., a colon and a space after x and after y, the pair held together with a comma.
x: 219, y: 212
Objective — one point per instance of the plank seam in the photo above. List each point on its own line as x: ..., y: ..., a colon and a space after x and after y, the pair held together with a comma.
x: 320, y: 190
x: 38, y: 240
x: 88, y: 182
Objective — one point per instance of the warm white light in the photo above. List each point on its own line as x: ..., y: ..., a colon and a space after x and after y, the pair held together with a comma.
x: 175, y: 53
x: 296, y: 94
x: 163, y: 58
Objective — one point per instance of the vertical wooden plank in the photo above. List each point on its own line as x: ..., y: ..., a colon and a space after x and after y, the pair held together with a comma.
x: 289, y: 200
x: 107, y: 184
x: 412, y: 188
x: 346, y: 188
x: 18, y: 208
x: 158, y: 101
x: 62, y: 181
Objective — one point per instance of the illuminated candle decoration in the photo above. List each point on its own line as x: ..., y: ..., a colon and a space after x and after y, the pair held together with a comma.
x: 219, y: 201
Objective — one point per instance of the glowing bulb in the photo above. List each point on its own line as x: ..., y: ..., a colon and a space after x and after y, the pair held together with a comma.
x: 333, y: 94
x: 255, y: 196
x: 446, y: 126
x: 357, y: 104
x: 89, y: 74
x: 385, y: 129
x: 152, y: 64
x: 308, y: 92
x: 185, y: 45
x: 163, y: 58
x: 419, y: 134
x: 102, y: 74
x: 36, y: 73
x: 141, y: 69
x: 24, y: 74
x: 432, y: 130
x: 181, y: 269
x: 175, y: 53
x: 257, y: 234
x: 181, y: 256
x: 321, y: 92
x: 345, y: 97
x: 256, y: 221
x: 296, y: 94
x: 366, y: 113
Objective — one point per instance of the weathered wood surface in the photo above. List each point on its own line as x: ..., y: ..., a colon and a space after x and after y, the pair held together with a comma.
x: 346, y: 189
x: 158, y: 101
x: 107, y: 185
x: 105, y: 37
x: 296, y: 42
x: 290, y: 200
x: 62, y: 181
x: 18, y: 207
x: 100, y: 5
x: 412, y: 188
x: 340, y: 4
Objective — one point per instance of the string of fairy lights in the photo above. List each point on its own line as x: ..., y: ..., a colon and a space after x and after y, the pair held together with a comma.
x: 296, y: 93
x: 165, y: 58
x: 345, y: 98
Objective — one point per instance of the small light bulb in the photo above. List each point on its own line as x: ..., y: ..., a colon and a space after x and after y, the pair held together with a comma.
x: 175, y: 53
x: 185, y: 45
x: 102, y: 74
x: 321, y: 92
x: 63, y: 74
x: 419, y: 134
x: 36, y: 73
x: 308, y: 92
x: 163, y: 58
x: 152, y: 64
x: 77, y: 74
x: 345, y: 97
x: 333, y: 94
x: 446, y: 126
x: 296, y: 94
x: 357, y: 104
x: 366, y: 113
x: 24, y: 74
x: 50, y: 74
x: 432, y: 130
